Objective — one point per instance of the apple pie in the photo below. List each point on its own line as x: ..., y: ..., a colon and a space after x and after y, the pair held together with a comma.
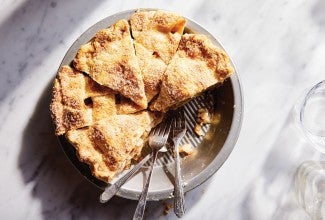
x: 100, y: 103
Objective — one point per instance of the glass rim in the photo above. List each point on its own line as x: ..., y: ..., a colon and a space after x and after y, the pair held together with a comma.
x: 306, y: 130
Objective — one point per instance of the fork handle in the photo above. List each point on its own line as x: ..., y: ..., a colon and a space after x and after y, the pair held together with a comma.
x: 179, y: 201
x: 138, y: 214
x: 111, y: 190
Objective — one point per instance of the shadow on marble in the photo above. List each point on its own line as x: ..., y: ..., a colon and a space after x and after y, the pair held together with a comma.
x: 272, y: 194
x: 33, y: 30
x: 318, y: 14
x: 62, y: 191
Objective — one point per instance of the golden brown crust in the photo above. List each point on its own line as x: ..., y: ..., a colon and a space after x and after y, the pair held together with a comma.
x: 103, y: 106
x: 157, y: 35
x: 109, y: 145
x: 196, y: 66
x: 158, y: 31
x: 68, y: 108
x: 109, y: 58
x: 94, y: 89
x: 126, y: 106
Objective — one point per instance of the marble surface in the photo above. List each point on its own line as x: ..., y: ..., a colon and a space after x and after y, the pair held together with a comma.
x: 279, y: 50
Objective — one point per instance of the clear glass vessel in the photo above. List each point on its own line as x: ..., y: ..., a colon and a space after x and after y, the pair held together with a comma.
x: 312, y: 116
x: 310, y: 188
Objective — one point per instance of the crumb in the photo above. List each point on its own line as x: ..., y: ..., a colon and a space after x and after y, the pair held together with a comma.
x: 216, y: 118
x: 167, y: 208
x: 209, y: 135
x: 203, y: 116
x: 186, y: 150
x: 198, y: 130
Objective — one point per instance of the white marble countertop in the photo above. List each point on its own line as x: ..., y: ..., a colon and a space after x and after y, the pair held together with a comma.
x: 279, y: 50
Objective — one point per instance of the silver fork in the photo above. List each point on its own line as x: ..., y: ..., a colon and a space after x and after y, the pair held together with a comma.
x: 157, y: 140
x: 179, y: 130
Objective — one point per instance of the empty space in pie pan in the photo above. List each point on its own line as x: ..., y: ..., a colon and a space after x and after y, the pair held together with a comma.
x: 212, y: 149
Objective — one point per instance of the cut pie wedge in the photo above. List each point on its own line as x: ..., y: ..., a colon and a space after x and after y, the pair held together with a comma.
x: 109, y: 146
x: 109, y: 58
x: 196, y: 66
x: 156, y: 38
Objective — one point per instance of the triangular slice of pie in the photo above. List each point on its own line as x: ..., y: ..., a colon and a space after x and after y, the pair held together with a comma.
x: 156, y: 38
x: 196, y: 66
x: 69, y: 107
x: 109, y: 145
x: 109, y: 58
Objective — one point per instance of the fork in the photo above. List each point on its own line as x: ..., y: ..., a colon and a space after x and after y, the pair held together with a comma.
x: 157, y: 140
x: 179, y: 130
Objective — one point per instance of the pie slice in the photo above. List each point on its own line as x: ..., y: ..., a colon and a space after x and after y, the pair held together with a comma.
x: 68, y: 107
x: 157, y: 35
x: 109, y: 145
x: 196, y: 66
x: 109, y: 58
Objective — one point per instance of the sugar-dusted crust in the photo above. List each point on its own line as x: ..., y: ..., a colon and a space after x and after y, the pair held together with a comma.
x: 109, y: 145
x: 196, y: 66
x: 156, y: 38
x: 109, y: 58
x: 68, y: 108
x: 126, y: 106
x: 103, y: 106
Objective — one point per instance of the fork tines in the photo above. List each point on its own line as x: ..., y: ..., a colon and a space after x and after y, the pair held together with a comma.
x: 163, y: 128
x: 179, y: 122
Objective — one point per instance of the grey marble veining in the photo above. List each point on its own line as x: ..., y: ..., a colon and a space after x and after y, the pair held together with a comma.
x: 279, y: 50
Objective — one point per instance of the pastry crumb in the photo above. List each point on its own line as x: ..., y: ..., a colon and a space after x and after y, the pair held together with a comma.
x: 198, y: 130
x: 167, y: 208
x: 203, y: 117
x: 186, y: 150
x: 216, y: 118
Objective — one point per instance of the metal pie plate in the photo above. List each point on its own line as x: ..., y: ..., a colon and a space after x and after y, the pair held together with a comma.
x: 212, y: 149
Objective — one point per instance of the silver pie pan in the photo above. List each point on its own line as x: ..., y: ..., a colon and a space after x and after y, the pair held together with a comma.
x: 211, y: 152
